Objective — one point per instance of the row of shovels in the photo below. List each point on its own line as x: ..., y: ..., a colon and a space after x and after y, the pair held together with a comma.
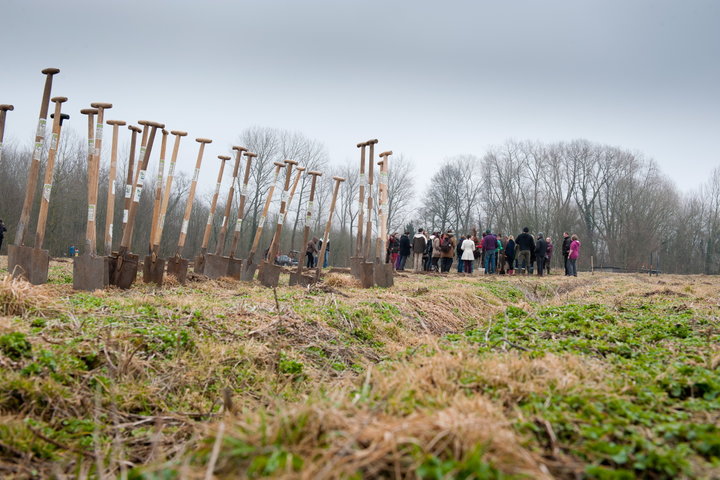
x: 92, y: 271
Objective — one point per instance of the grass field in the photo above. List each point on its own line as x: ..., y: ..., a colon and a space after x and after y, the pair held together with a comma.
x: 603, y: 376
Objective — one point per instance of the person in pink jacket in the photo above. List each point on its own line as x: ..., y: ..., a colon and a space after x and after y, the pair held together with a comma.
x: 573, y: 255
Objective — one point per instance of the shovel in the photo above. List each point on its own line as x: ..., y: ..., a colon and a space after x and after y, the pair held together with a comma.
x: 20, y: 257
x: 41, y: 258
x: 91, y: 272
x: 297, y: 278
x: 176, y: 265
x: 249, y: 266
x: 216, y: 265
x: 357, y: 259
x: 150, y: 261
x: 124, y: 264
x: 110, y: 203
x: 234, y: 265
x: 321, y: 255
x: 200, y: 259
x: 367, y: 266
x: 383, y: 271
x: 154, y: 266
x: 269, y: 275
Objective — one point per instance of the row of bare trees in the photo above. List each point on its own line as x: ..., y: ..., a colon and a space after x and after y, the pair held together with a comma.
x: 627, y: 213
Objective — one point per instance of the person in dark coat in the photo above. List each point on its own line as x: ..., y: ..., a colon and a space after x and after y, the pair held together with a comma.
x: 566, y: 251
x: 310, y: 251
x: 510, y: 255
x: 404, y: 250
x: 540, y: 252
x: 2, y: 232
x: 525, y: 245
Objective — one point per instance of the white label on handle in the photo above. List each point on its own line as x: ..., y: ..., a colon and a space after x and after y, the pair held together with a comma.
x: 363, y: 179
x: 238, y: 225
x: 138, y: 192
x: 243, y: 190
x: 91, y: 146
x: 162, y: 221
x: 125, y: 216
x: 141, y: 177
x: 161, y: 169
x: 37, y: 153
x: 281, y: 220
x: 261, y: 222
x: 217, y: 188
x: 41, y: 128
x: 142, y: 153
x: 112, y: 187
x: 383, y: 178
x: 210, y: 217
x: 196, y: 175
x: 184, y: 227
x: 284, y: 196
x: 46, y: 191
x: 91, y: 213
x: 128, y: 191
x: 224, y: 224
x: 99, y: 132
x: 54, y: 141
x: 171, y: 172
x: 110, y: 231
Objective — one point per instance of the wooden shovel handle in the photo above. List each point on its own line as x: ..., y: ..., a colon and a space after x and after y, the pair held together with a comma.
x: 241, y: 205
x: 326, y: 235
x: 191, y: 195
x: 268, y: 201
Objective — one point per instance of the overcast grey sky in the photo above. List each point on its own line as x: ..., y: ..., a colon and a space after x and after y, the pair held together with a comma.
x: 429, y: 79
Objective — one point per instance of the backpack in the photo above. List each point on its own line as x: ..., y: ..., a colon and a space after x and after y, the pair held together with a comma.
x: 445, y: 245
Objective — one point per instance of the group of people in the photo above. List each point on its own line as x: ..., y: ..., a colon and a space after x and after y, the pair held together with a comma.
x: 495, y: 253
x: 312, y: 250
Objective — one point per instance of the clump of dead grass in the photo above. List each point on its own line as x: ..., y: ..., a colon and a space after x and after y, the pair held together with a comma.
x: 18, y: 297
x: 339, y: 280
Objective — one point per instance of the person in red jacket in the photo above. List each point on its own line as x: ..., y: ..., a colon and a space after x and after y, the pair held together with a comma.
x: 573, y: 255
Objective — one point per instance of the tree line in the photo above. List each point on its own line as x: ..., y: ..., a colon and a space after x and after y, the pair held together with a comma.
x: 628, y: 214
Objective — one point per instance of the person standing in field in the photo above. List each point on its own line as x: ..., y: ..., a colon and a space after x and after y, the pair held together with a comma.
x: 418, y: 247
x: 548, y: 254
x: 447, y: 251
x: 489, y: 244
x: 573, y: 255
x: 458, y: 254
x: 566, y: 251
x: 404, y: 250
x: 525, y: 244
x: 510, y: 255
x: 311, y: 251
x: 393, y: 248
x: 435, y: 256
x: 540, y: 252
x: 468, y: 254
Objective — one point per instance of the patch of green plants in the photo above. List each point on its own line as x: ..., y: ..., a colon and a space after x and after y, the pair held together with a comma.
x: 15, y: 345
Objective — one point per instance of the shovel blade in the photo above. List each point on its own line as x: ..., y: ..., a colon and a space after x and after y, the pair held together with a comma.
x: 178, y: 267
x: 199, y: 264
x: 29, y: 263
x: 20, y: 261
x: 216, y: 266
x: 247, y: 274
x: 269, y: 275
x: 235, y: 266
x: 91, y: 272
x: 355, y: 266
x: 153, y: 270
x: 123, y: 270
x: 384, y: 275
x: 367, y: 274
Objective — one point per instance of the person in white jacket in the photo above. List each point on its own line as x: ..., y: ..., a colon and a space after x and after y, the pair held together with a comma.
x: 468, y: 257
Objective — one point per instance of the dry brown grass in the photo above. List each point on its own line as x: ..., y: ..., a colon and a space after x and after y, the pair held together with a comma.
x: 18, y: 297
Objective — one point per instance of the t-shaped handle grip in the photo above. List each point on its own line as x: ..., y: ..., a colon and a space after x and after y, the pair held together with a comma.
x: 89, y: 111
x: 179, y: 133
x: 203, y: 140
x: 119, y: 123
x: 63, y: 117
x: 6, y: 108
